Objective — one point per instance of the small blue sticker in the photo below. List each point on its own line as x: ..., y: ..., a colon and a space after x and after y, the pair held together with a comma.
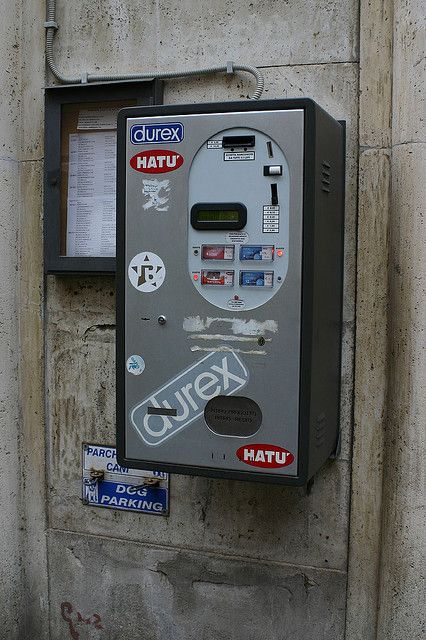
x: 135, y: 365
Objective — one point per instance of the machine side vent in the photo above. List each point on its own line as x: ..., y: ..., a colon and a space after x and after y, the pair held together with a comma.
x: 326, y: 177
x: 320, y: 429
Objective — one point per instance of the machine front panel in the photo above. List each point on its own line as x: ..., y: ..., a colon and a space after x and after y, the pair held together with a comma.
x: 213, y: 227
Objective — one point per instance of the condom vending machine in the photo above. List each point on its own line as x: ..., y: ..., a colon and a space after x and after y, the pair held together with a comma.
x: 230, y: 259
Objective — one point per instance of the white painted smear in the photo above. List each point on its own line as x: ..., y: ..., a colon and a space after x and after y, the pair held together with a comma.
x: 226, y: 338
x: 239, y: 326
x: 252, y: 352
x: 253, y: 327
x: 193, y: 323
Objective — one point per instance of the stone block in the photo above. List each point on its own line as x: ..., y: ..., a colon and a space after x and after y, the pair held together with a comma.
x: 170, y: 35
x: 371, y: 383
x: 375, y: 68
x: 409, y: 73
x: 401, y: 614
x: 128, y: 591
x: 10, y: 81
x: 10, y: 481
x: 33, y: 80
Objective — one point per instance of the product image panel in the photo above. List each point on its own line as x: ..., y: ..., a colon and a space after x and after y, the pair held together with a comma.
x: 217, y: 252
x: 221, y: 278
x: 257, y: 252
x: 256, y: 278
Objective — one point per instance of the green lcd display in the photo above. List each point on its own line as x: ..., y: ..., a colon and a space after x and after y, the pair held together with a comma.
x: 207, y: 216
x: 204, y: 215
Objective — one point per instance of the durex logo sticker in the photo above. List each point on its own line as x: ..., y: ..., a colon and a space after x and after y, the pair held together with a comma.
x: 175, y: 405
x: 265, y: 455
x: 156, y: 161
x: 157, y: 133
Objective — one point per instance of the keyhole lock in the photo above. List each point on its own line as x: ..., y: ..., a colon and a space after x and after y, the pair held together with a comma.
x: 162, y: 320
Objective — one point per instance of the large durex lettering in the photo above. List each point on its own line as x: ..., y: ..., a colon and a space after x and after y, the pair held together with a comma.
x: 188, y: 394
x: 226, y: 374
x: 200, y: 390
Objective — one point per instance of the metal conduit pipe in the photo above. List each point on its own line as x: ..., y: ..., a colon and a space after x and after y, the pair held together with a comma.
x: 230, y: 68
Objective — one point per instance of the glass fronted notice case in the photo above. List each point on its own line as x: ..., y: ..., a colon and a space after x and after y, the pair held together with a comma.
x: 80, y: 172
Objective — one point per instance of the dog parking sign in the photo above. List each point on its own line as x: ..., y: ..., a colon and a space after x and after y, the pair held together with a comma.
x: 105, y: 483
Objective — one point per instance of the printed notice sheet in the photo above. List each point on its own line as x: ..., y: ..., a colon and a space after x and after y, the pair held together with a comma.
x: 99, y: 118
x: 91, y: 194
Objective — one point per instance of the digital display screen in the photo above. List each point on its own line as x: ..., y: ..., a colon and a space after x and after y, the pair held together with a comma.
x: 207, y: 216
x: 204, y: 215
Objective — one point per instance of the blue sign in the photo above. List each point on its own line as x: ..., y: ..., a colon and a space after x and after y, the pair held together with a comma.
x: 105, y: 483
x: 159, y: 133
x: 128, y: 497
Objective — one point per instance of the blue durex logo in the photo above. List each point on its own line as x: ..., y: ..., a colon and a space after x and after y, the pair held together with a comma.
x: 156, y: 133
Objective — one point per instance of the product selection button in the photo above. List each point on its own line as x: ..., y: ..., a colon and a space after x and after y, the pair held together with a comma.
x: 257, y: 252
x: 217, y: 278
x: 256, y: 278
x: 217, y: 252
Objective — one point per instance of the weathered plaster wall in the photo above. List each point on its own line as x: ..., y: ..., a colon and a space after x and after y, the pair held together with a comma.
x: 31, y: 326
x: 371, y: 361
x: 401, y: 611
x: 259, y: 560
x: 233, y: 560
x: 23, y: 578
x: 10, y: 494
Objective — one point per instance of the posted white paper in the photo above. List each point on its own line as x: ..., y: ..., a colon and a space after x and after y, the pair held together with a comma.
x: 99, y: 118
x: 91, y: 194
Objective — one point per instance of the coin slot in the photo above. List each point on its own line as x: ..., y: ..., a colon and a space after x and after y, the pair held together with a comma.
x: 269, y: 149
x: 238, y: 141
x: 274, y: 194
x: 161, y: 411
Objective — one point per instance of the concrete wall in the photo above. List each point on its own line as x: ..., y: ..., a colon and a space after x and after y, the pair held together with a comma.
x: 403, y: 528
x: 23, y: 577
x: 371, y: 361
x: 262, y: 561
x: 233, y: 560
x: 35, y: 612
x: 11, y: 586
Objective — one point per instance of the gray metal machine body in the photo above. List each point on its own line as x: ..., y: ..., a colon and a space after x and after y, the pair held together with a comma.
x: 230, y: 253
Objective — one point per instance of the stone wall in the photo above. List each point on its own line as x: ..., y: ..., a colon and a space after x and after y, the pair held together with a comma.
x: 233, y: 560
x: 11, y: 586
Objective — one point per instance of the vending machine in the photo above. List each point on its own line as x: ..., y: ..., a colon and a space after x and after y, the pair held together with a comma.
x: 229, y: 288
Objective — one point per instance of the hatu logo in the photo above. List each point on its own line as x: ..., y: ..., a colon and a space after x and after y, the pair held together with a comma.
x: 156, y: 161
x: 265, y: 455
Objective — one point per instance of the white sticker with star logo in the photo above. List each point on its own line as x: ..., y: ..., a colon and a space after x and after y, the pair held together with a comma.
x: 147, y: 272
